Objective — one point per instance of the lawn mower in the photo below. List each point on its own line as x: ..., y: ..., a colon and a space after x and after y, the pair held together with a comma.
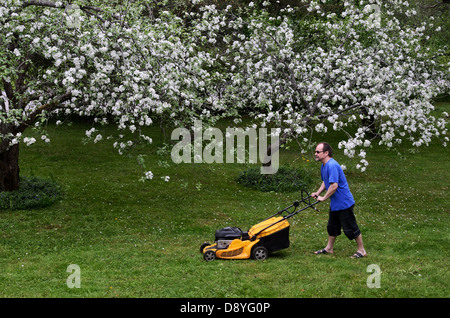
x: 268, y: 236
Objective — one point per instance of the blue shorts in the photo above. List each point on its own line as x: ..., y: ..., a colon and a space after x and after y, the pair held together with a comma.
x: 344, y: 219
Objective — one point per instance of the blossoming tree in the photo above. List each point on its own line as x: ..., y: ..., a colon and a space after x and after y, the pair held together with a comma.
x: 358, y: 67
x: 359, y: 71
x: 111, y: 63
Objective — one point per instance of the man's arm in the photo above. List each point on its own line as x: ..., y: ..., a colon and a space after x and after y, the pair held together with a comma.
x: 318, y: 192
x: 331, y: 189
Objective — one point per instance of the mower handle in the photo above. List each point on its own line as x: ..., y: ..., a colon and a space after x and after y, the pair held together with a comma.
x: 305, y: 198
x: 296, y: 204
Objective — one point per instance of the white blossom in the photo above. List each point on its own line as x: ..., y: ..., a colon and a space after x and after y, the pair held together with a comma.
x: 98, y: 138
x: 148, y: 175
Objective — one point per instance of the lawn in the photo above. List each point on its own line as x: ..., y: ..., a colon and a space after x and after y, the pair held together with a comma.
x: 134, y: 239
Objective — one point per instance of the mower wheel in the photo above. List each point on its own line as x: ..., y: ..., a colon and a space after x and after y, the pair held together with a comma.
x: 202, y: 247
x: 209, y: 256
x: 260, y: 253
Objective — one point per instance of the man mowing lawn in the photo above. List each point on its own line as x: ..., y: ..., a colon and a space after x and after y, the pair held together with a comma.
x: 341, y: 201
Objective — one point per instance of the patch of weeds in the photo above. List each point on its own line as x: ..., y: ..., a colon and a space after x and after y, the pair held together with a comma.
x: 286, y: 179
x: 33, y: 193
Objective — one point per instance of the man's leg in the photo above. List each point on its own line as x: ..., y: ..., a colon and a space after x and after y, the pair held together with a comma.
x: 351, y: 230
x: 360, y: 249
x: 334, y: 230
x: 329, y: 247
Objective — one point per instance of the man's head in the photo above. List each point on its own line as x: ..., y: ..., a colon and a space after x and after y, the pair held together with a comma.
x: 323, y: 152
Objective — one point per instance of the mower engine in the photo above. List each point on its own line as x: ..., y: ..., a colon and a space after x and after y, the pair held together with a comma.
x: 221, y: 244
x: 225, y: 236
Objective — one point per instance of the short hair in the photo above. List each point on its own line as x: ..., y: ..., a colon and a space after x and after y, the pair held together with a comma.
x: 326, y: 147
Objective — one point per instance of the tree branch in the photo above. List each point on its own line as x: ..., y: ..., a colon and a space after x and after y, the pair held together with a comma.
x: 435, y: 5
x: 59, y: 100
x: 51, y: 4
x: 41, y: 3
x: 9, y: 90
x: 340, y: 111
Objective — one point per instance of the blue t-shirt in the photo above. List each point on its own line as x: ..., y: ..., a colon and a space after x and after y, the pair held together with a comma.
x: 332, y: 172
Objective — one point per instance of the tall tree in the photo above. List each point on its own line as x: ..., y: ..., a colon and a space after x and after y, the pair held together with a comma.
x: 129, y: 64
x: 360, y: 71
x: 113, y: 63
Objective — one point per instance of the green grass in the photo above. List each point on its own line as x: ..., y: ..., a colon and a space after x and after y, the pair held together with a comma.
x: 133, y: 239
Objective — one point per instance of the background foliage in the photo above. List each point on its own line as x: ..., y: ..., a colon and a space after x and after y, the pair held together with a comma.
x: 33, y: 193
x: 287, y: 179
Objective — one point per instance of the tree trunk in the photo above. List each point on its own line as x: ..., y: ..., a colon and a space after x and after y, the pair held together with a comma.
x: 9, y: 169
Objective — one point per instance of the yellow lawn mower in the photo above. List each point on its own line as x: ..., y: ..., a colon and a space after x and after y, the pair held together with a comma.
x: 268, y: 236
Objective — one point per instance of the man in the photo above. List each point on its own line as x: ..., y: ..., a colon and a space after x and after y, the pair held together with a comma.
x: 341, y: 201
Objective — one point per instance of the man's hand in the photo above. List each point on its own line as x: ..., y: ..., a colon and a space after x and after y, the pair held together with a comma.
x: 317, y: 197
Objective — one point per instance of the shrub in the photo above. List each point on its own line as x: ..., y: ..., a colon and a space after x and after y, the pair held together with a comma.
x: 286, y: 179
x: 33, y: 193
